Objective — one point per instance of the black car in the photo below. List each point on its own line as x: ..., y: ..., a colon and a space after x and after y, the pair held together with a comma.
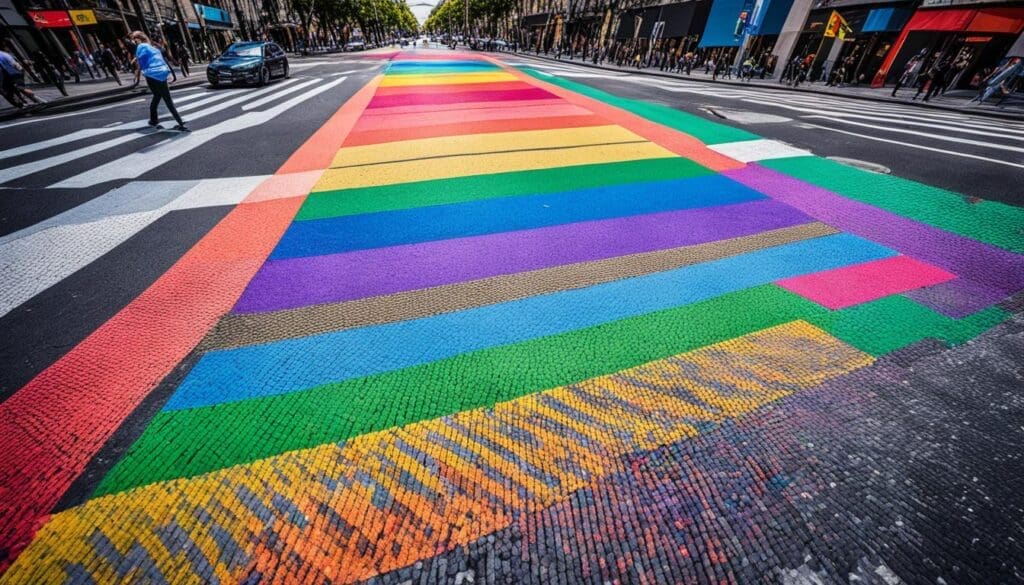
x: 251, y: 62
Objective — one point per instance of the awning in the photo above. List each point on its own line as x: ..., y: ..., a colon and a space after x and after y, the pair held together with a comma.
x: 998, y: 20
x: 536, y: 19
x: 886, y: 19
x: 721, y: 27
x: 772, y: 17
x: 677, y: 19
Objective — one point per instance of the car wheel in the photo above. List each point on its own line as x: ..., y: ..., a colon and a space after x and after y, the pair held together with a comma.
x: 286, y: 72
x: 264, y: 76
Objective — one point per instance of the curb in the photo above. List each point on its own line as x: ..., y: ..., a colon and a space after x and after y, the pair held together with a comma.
x: 988, y: 113
x: 86, y: 100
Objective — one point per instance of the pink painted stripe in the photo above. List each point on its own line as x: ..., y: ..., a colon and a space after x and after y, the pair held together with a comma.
x: 414, y: 99
x: 419, y: 119
x: 394, y: 110
x: 860, y: 283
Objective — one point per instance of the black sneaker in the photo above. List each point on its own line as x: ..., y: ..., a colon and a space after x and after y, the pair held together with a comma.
x: 182, y: 128
x: 156, y: 125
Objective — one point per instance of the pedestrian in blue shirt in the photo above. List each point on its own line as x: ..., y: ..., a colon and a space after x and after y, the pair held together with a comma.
x: 12, y: 80
x: 151, y: 64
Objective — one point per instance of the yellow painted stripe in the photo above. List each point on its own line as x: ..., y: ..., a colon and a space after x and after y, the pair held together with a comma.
x: 333, y: 508
x: 445, y: 79
x: 484, y: 164
x: 481, y: 143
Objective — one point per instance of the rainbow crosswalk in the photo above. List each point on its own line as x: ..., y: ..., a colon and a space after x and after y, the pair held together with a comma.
x: 499, y: 288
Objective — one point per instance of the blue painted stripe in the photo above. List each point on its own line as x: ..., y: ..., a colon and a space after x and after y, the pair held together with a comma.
x: 475, y: 218
x: 297, y: 364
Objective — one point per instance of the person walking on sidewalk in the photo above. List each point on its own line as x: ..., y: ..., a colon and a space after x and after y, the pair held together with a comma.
x: 183, y: 60
x: 909, y: 73
x: 13, y: 80
x: 151, y: 64
x: 939, y: 73
x: 108, y: 62
x: 924, y: 80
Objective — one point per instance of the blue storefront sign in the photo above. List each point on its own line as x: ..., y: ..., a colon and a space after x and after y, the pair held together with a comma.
x: 721, y: 27
x: 213, y: 16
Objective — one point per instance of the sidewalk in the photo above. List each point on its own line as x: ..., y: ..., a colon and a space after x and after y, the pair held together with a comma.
x: 93, y: 92
x: 954, y: 100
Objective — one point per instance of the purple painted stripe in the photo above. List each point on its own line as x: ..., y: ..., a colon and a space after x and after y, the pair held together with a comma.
x: 992, y: 273
x: 957, y: 298
x: 297, y: 282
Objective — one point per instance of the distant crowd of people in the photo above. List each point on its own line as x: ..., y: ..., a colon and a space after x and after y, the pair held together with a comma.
x: 106, y: 62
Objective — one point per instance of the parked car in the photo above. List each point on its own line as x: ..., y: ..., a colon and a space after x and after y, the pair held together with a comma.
x: 355, y: 46
x: 249, y: 62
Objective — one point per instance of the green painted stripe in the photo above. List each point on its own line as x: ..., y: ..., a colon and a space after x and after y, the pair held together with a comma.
x: 890, y: 323
x: 987, y: 221
x: 704, y: 130
x: 190, y: 442
x: 457, y: 190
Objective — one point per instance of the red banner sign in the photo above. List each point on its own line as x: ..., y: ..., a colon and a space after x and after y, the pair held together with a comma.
x: 50, y: 18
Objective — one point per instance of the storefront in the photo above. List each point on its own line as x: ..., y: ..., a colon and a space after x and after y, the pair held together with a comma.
x: 764, y: 28
x: 668, y: 29
x: 854, y: 33
x: 217, y: 26
x: 723, y: 33
x: 974, y: 38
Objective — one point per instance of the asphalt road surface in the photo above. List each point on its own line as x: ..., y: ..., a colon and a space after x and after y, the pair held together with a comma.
x: 979, y: 156
x: 429, y: 316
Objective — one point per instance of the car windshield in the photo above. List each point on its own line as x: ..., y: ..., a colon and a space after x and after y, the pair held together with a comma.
x: 243, y: 51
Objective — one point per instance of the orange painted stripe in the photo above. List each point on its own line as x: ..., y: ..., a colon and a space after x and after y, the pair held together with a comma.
x: 452, y: 88
x: 318, y: 152
x: 671, y: 139
x: 480, y: 127
x: 53, y: 426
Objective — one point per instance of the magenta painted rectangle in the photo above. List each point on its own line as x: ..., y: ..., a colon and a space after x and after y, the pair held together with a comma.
x: 297, y: 282
x: 990, y: 272
x: 415, y: 99
x: 860, y: 283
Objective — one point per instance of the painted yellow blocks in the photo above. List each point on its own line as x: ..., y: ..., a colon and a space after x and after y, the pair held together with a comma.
x: 428, y: 486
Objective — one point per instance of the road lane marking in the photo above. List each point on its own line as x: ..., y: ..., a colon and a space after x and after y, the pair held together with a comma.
x: 134, y: 165
x: 278, y: 95
x: 919, y: 146
x: 46, y: 255
x: 917, y: 133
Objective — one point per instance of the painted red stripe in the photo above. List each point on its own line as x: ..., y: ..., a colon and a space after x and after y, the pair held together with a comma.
x: 53, y: 426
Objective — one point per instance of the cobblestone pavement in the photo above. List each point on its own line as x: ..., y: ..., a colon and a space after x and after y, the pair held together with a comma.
x: 488, y: 326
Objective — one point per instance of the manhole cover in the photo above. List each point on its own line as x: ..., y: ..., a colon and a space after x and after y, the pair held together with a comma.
x: 862, y: 164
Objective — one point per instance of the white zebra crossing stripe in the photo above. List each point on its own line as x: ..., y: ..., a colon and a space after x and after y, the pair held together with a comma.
x: 918, y: 146
x: 270, y: 98
x: 755, y: 150
x: 134, y: 165
x: 34, y: 259
x: 16, y: 172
